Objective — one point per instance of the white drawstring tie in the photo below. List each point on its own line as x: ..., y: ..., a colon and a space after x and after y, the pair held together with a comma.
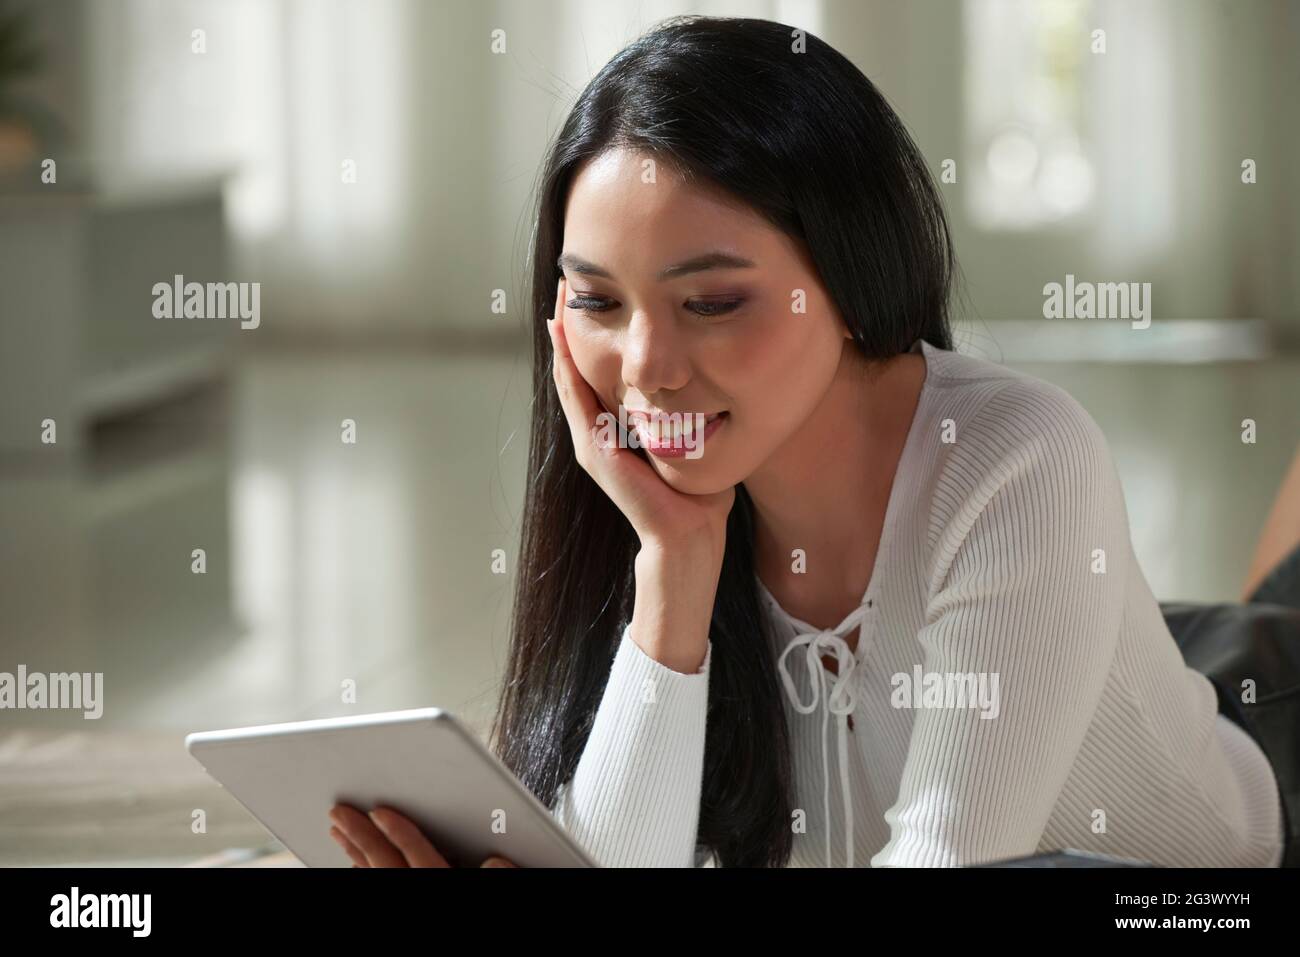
x: 839, y: 699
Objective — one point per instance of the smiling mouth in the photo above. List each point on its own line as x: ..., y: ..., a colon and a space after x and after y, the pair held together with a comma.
x: 663, y: 427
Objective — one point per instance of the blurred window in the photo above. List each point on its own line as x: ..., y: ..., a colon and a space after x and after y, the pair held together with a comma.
x: 1024, y: 109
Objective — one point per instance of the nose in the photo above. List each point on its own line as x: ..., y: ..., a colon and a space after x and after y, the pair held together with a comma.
x: 654, y: 355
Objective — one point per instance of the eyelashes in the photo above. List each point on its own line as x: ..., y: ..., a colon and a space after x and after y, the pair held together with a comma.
x: 718, y: 307
x: 706, y: 309
x: 588, y: 304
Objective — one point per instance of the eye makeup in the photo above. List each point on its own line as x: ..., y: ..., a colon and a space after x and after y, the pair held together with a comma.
x: 705, y: 308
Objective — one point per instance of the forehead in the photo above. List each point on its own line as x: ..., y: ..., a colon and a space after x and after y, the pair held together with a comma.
x: 628, y: 206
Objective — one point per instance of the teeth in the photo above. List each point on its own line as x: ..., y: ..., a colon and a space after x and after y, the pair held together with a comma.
x: 650, y: 429
x: 665, y: 428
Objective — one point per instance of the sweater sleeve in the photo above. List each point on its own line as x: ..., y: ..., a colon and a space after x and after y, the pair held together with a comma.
x: 1030, y: 607
x: 634, y: 799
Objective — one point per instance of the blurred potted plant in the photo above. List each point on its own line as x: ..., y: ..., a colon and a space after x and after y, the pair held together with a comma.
x: 25, y: 125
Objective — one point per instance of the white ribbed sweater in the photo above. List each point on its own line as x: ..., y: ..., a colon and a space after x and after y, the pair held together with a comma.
x: 1104, y: 740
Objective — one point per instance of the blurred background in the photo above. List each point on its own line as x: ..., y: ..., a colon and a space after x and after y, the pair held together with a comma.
x: 179, y: 508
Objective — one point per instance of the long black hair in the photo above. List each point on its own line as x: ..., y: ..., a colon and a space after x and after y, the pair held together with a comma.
x: 782, y: 121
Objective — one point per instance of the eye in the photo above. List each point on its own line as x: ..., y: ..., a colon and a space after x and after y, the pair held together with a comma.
x: 589, y: 304
x: 714, y: 307
x: 706, y: 308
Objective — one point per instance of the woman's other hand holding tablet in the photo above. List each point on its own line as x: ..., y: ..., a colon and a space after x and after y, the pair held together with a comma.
x: 385, y: 838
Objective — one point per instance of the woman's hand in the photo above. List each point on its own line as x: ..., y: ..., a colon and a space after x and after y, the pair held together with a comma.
x: 385, y: 838
x: 664, y: 519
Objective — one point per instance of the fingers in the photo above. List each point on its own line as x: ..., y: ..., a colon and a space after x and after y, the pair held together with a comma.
x: 370, y: 840
x: 374, y: 846
x: 358, y: 859
x: 408, y: 838
x: 576, y: 396
x: 556, y: 325
x: 387, y: 838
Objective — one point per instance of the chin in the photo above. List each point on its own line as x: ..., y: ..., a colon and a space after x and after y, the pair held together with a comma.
x: 690, y: 477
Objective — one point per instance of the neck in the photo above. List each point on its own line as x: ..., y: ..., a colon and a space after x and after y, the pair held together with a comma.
x: 826, y: 488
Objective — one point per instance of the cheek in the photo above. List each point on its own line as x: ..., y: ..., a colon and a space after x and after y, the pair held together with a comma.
x: 784, y: 367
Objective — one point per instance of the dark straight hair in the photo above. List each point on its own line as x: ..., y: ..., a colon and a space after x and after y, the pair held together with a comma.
x: 803, y: 137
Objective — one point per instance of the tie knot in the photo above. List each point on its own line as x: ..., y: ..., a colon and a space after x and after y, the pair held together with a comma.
x: 839, y: 697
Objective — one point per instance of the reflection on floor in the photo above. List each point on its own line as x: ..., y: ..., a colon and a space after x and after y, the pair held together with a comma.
x: 368, y: 565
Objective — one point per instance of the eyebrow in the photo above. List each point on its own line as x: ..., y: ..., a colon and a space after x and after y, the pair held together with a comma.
x: 716, y: 259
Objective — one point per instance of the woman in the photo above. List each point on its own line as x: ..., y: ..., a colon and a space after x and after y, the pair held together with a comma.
x: 925, y: 550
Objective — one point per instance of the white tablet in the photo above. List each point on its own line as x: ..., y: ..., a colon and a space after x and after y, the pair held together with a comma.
x: 423, y: 763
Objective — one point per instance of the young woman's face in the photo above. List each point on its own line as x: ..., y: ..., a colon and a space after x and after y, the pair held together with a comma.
x: 761, y: 342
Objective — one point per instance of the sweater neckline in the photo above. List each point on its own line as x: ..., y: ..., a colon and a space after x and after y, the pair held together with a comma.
x: 896, y: 492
